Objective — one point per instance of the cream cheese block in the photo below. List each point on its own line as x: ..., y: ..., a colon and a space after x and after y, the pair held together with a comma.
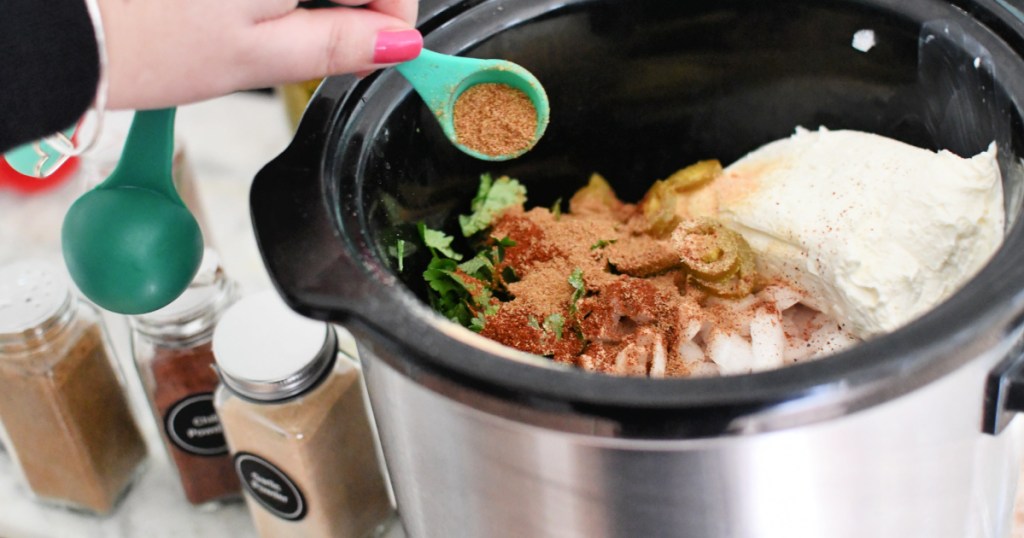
x: 874, y: 231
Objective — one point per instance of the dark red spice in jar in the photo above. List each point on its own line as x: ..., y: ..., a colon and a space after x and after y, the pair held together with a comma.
x: 174, y: 357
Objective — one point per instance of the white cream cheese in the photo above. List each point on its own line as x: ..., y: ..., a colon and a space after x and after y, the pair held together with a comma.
x: 875, y: 231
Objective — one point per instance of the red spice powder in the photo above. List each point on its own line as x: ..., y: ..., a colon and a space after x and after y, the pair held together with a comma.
x: 180, y: 374
x: 495, y: 119
x: 637, y: 294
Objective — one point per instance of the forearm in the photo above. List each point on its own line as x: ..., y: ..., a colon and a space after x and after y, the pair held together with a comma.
x: 51, y: 67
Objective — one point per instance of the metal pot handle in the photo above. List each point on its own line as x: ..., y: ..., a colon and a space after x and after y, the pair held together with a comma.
x: 1004, y: 390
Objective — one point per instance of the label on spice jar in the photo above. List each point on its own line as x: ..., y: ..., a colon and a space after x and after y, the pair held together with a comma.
x: 270, y: 487
x: 192, y: 425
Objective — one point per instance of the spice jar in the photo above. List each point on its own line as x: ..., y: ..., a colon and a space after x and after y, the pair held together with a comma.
x: 172, y: 348
x: 295, y: 418
x: 65, y: 415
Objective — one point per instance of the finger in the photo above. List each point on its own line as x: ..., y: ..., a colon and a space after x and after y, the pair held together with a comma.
x: 401, y: 9
x: 312, y: 44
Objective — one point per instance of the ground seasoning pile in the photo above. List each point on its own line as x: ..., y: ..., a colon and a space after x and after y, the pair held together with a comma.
x: 646, y: 289
x: 495, y: 119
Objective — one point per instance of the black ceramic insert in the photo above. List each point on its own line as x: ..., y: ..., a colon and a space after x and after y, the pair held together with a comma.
x: 639, y: 89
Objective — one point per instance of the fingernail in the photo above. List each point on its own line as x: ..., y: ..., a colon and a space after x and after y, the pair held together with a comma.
x: 394, y: 47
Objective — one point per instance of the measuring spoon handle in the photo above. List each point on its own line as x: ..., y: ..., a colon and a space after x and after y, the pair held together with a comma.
x: 436, y: 76
x: 148, y: 154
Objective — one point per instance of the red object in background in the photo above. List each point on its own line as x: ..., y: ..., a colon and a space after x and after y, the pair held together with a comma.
x: 10, y: 178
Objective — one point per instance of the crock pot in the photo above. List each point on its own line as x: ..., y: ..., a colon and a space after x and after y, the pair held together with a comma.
x: 907, y: 435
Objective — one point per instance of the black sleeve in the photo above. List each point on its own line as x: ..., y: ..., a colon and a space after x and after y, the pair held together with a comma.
x: 50, y: 67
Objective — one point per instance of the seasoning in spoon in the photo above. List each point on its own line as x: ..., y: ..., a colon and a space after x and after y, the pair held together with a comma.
x: 495, y: 119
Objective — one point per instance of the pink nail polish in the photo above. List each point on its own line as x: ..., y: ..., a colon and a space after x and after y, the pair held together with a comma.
x: 397, y: 46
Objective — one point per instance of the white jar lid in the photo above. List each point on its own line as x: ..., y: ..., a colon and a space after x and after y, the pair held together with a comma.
x: 31, y: 292
x: 265, y: 351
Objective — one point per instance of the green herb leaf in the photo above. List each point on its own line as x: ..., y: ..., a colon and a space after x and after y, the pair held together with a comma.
x: 554, y: 323
x: 556, y: 209
x: 438, y: 241
x: 475, y: 263
x: 477, y: 323
x: 397, y: 251
x: 508, y: 275
x: 532, y: 322
x: 461, y: 298
x: 579, y: 289
x: 501, y: 245
x: 493, y: 197
x: 602, y: 243
x: 447, y: 295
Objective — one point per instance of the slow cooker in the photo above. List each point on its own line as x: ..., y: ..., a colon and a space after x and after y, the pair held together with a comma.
x: 910, y: 434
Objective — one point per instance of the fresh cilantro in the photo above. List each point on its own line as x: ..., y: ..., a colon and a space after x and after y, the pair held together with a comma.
x: 465, y: 292
x: 556, y: 209
x: 533, y: 323
x: 578, y: 289
x: 554, y: 323
x: 400, y: 254
x: 476, y: 264
x: 493, y: 197
x: 447, y: 295
x: 461, y: 293
x: 461, y: 298
x: 508, y: 275
x: 438, y: 241
x: 477, y: 323
x: 602, y: 243
x: 501, y: 245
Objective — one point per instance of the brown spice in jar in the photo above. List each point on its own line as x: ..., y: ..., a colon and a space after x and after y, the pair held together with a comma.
x: 184, y: 381
x: 495, y: 119
x: 70, y: 427
x: 322, y: 441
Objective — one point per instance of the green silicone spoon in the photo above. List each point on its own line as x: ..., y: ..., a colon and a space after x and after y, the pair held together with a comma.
x: 130, y: 244
x: 439, y: 79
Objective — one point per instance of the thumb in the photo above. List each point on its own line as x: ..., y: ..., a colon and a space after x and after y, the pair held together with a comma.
x: 309, y: 44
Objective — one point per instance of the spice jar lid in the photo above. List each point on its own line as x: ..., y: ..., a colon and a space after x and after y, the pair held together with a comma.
x: 31, y: 292
x: 265, y: 351
x: 196, y: 310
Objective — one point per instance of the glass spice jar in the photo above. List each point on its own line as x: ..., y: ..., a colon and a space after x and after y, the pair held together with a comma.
x: 172, y: 348
x: 65, y: 415
x: 296, y: 420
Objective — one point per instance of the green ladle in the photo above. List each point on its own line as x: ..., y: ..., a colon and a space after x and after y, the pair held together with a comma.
x: 130, y: 244
x: 439, y: 79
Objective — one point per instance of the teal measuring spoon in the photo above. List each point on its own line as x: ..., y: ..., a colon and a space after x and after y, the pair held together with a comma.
x: 130, y: 244
x: 439, y: 79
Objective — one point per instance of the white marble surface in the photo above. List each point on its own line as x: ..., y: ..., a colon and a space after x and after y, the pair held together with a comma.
x: 226, y: 141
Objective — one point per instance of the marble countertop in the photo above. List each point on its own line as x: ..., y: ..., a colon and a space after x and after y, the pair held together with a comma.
x: 225, y: 142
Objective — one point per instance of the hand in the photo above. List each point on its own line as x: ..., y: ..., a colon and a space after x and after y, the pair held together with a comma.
x: 171, y: 52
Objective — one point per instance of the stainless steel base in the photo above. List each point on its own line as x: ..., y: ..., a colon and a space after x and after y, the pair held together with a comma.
x: 917, y: 466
